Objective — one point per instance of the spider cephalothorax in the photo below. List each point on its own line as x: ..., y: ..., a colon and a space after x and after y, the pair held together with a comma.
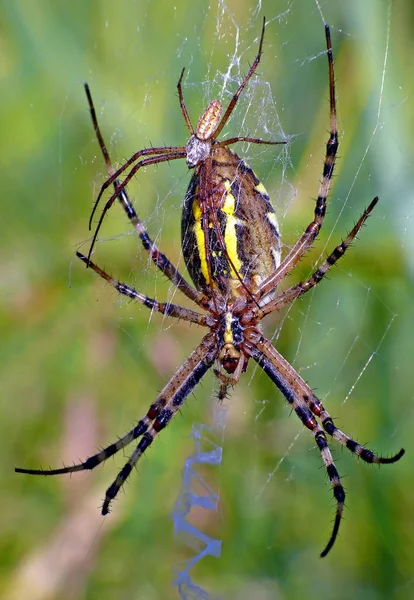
x: 231, y: 247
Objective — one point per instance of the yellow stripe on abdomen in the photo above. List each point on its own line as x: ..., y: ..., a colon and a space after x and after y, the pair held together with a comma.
x: 200, y: 240
x: 230, y: 235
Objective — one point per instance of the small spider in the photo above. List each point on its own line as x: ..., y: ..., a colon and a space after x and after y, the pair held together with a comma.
x: 231, y: 247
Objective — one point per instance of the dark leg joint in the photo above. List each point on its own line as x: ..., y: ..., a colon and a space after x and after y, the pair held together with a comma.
x: 329, y: 426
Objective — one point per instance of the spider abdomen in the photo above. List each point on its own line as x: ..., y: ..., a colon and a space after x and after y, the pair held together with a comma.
x: 229, y: 228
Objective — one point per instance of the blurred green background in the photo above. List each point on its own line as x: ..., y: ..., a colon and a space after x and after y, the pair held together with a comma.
x: 79, y: 366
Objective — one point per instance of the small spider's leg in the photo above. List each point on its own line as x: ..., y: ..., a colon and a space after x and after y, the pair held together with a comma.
x: 169, y: 154
x: 162, y: 153
x: 205, y: 195
x: 174, y: 394
x: 307, y: 238
x: 234, y: 140
x: 158, y: 258
x: 95, y: 460
x: 165, y: 308
x: 293, y: 388
x: 98, y: 134
x: 243, y: 84
x: 182, y: 104
x: 302, y: 287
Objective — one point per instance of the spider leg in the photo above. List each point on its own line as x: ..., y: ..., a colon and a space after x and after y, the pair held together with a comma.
x: 243, y: 84
x: 302, y: 287
x: 234, y: 140
x: 182, y: 104
x: 301, y: 388
x: 175, y: 154
x: 163, y: 153
x: 205, y: 193
x: 173, y: 396
x: 307, y: 238
x: 100, y: 457
x: 286, y: 380
x: 159, y: 259
x: 329, y: 426
x: 306, y: 404
x: 165, y: 308
x: 159, y: 415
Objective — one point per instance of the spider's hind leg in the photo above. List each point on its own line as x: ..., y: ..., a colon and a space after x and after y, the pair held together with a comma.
x: 296, y: 392
x: 308, y: 407
x: 329, y: 426
x: 157, y: 418
x: 169, y: 401
x: 100, y: 457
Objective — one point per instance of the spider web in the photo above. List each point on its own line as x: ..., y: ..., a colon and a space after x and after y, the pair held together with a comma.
x: 261, y: 111
x: 318, y: 336
x: 349, y: 339
x: 316, y: 325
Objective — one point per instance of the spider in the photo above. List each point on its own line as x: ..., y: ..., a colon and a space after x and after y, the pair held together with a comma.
x: 231, y: 247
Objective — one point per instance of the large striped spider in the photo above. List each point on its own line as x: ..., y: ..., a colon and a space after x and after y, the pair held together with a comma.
x: 230, y: 243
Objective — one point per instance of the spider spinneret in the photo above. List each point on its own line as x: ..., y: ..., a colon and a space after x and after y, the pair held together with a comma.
x: 231, y: 247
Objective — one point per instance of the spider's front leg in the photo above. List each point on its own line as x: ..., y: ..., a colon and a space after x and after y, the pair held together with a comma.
x: 311, y: 232
x: 302, y: 287
x: 158, y: 258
